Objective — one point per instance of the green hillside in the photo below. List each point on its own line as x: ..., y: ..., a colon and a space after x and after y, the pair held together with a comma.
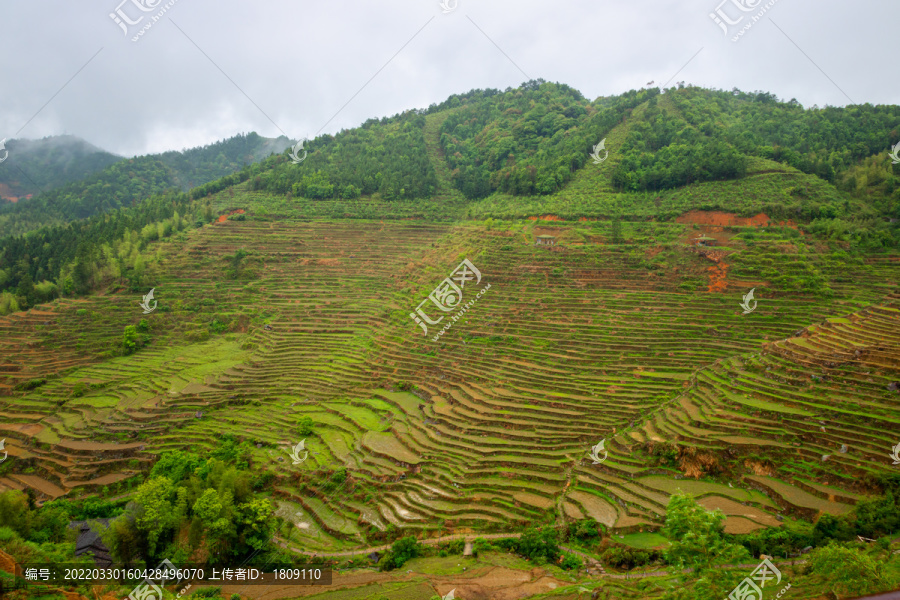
x: 125, y: 181
x: 712, y: 311
x: 33, y: 166
x: 526, y: 151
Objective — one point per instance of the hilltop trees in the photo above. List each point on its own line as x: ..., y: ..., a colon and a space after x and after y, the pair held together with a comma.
x: 824, y: 142
x: 387, y: 157
x: 529, y: 140
x: 131, y: 181
x: 50, y: 162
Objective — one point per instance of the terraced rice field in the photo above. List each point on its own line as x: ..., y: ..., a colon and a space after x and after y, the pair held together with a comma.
x: 488, y: 428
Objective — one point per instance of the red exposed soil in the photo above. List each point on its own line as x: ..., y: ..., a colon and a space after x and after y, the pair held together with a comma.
x: 223, y: 218
x: 721, y: 219
x: 724, y: 219
x: 718, y: 278
x: 546, y: 218
x: 718, y: 274
x: 6, y: 193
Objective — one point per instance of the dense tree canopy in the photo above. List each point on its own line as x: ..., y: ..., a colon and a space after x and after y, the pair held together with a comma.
x: 39, y: 165
x: 191, y: 506
x: 76, y: 257
x: 530, y: 140
x: 387, y: 157
x: 128, y: 182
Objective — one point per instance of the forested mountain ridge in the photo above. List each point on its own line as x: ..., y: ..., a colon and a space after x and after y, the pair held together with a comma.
x: 128, y: 181
x: 485, y: 141
x: 513, y: 154
x: 533, y: 141
x: 529, y: 141
x: 32, y: 166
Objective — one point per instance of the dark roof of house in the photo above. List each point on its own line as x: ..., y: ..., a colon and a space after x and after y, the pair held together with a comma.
x: 89, y: 541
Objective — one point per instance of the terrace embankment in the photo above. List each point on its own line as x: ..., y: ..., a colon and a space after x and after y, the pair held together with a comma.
x: 489, y: 427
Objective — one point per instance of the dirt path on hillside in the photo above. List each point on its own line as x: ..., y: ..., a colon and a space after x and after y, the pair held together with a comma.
x: 468, y: 537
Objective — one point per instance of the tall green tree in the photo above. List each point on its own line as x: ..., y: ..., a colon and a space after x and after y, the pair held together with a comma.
x: 850, y: 571
x: 698, y: 536
x: 158, y: 509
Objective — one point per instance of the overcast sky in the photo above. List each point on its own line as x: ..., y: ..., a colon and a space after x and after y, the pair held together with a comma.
x: 207, y: 70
